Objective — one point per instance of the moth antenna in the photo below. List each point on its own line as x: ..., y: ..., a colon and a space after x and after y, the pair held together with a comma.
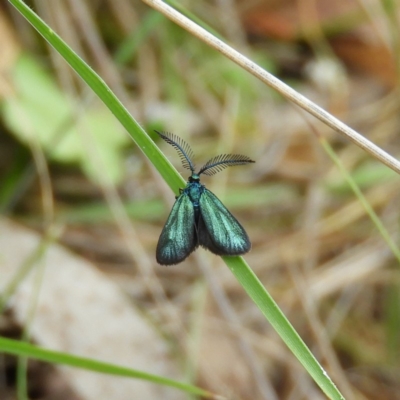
x: 218, y: 163
x: 183, y: 149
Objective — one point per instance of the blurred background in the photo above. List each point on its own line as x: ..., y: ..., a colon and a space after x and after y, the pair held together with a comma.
x: 83, y: 209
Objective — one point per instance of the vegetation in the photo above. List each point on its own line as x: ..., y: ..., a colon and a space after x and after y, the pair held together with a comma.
x: 321, y: 213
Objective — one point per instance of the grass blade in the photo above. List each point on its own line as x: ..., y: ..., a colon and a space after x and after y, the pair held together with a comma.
x: 17, y: 348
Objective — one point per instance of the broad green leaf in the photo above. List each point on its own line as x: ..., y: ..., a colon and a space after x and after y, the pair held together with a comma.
x: 40, y: 111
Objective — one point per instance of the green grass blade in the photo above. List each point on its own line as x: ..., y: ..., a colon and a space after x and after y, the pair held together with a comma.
x: 17, y: 348
x: 238, y: 266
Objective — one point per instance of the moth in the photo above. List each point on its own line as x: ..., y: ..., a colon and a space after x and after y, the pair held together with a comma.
x: 198, y: 218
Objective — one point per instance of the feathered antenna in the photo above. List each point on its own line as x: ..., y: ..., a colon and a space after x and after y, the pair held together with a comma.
x: 218, y: 163
x: 183, y: 149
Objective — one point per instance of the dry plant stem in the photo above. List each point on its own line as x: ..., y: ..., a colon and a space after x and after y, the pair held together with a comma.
x: 60, y: 16
x: 90, y: 35
x: 377, y: 17
x: 276, y: 84
x: 125, y: 15
x: 230, y: 19
x: 45, y: 183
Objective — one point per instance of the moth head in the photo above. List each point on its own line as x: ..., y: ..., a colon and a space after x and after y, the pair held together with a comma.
x: 194, y: 178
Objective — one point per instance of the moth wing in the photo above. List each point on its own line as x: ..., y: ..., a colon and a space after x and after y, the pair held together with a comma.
x: 178, y: 238
x: 225, y: 235
x: 205, y: 238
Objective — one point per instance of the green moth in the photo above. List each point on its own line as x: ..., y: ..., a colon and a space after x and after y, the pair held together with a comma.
x: 198, y: 218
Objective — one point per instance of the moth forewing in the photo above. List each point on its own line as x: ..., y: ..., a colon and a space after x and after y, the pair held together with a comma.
x: 205, y: 239
x: 178, y: 238
x: 225, y: 232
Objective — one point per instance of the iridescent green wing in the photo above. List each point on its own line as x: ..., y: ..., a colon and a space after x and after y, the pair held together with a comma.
x: 178, y: 237
x: 205, y: 238
x: 224, y: 235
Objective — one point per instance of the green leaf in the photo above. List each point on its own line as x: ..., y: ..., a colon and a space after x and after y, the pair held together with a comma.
x: 40, y: 111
